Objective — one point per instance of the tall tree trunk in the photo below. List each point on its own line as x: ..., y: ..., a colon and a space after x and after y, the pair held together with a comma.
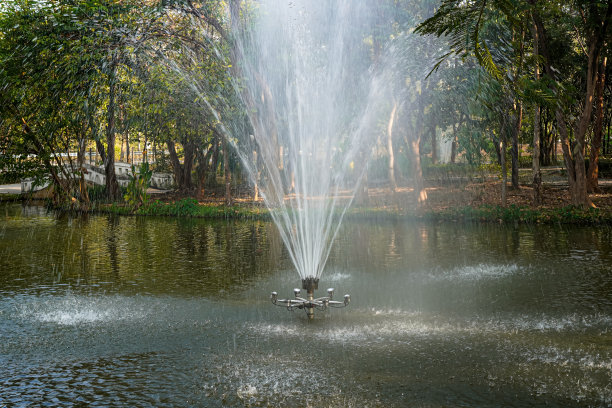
x: 84, y: 194
x: 122, y: 150
x: 413, y: 142
x: 188, y: 158
x: 101, y: 151
x: 391, y: 169
x: 112, y: 186
x: 537, y: 174
x: 212, y: 175
x: 574, y: 158
x: 504, y: 185
x: 127, y: 147
x: 227, y: 174
x: 592, y: 173
x: 580, y: 196
x: 144, y: 152
x: 255, y: 176
x: 125, y: 131
x: 518, y: 108
x: 177, y: 168
x: 434, y: 145
x: 515, y: 148
x: 81, y: 152
x: 202, y: 169
x: 121, y: 126
x: 453, y: 157
x: 419, y: 185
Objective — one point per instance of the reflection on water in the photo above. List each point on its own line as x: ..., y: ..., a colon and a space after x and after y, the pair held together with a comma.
x: 158, y: 311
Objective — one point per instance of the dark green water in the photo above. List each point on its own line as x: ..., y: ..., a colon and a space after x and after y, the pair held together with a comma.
x: 103, y: 311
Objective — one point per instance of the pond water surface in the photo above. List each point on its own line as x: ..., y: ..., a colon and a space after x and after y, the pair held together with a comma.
x: 133, y: 311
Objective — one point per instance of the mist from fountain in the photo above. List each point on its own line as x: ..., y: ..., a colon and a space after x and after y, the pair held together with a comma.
x: 312, y: 93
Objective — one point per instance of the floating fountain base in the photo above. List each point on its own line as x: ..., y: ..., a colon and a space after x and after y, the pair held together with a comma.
x: 309, y: 304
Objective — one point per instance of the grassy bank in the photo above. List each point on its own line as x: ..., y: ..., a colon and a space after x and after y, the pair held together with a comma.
x: 524, y: 215
x: 11, y: 197
x: 189, y: 207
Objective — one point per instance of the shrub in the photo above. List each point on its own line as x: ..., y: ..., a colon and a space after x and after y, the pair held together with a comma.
x: 136, y: 195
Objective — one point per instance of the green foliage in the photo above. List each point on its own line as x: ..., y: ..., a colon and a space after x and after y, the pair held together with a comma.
x: 524, y: 215
x: 189, y: 207
x: 186, y: 207
x: 136, y: 194
x: 97, y: 193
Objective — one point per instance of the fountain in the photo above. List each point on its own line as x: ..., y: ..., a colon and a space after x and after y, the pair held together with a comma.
x: 310, y: 303
x: 307, y: 81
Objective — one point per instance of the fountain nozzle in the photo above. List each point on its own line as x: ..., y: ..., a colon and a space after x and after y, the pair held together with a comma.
x: 309, y: 303
x: 310, y: 284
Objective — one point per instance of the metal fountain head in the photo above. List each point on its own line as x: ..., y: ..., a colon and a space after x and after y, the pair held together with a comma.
x: 310, y: 303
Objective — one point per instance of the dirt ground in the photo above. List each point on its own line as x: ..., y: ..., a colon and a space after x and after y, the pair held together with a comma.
x: 444, y: 195
x: 441, y: 197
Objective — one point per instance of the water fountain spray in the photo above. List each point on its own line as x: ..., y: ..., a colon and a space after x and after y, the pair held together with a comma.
x: 309, y: 304
x: 314, y: 100
x: 313, y: 96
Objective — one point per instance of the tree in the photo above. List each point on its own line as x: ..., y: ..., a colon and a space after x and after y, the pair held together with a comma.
x: 463, y: 23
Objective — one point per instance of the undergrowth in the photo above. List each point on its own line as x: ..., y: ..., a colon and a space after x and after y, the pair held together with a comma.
x: 189, y: 207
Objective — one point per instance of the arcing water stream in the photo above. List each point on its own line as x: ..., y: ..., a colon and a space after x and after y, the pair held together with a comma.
x: 313, y: 96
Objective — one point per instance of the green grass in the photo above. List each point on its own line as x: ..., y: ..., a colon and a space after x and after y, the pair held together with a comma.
x: 189, y: 207
x: 11, y: 197
x: 524, y: 215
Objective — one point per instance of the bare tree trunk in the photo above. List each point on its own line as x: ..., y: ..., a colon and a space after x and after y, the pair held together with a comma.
x: 419, y: 186
x: 453, y: 157
x: 391, y: 169
x: 518, y: 108
x: 84, y: 194
x: 434, y: 146
x: 101, y: 151
x: 122, y: 150
x: 144, y: 152
x: 255, y: 177
x: 574, y: 159
x: 121, y: 127
x: 515, y: 149
x: 127, y: 147
x: 537, y: 174
x: 188, y: 157
x: 413, y: 142
x: 592, y: 173
x: 112, y: 186
x: 580, y: 196
x: 227, y: 174
x: 504, y: 171
x: 81, y: 152
x: 176, y: 165
x: 202, y: 169
x: 212, y: 175
x: 182, y: 172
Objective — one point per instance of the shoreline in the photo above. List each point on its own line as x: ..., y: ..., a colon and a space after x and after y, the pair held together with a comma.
x: 479, y: 213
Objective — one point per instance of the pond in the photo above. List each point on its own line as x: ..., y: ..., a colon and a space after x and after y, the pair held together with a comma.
x: 133, y: 311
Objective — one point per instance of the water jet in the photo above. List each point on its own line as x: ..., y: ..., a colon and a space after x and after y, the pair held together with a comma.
x: 300, y: 62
